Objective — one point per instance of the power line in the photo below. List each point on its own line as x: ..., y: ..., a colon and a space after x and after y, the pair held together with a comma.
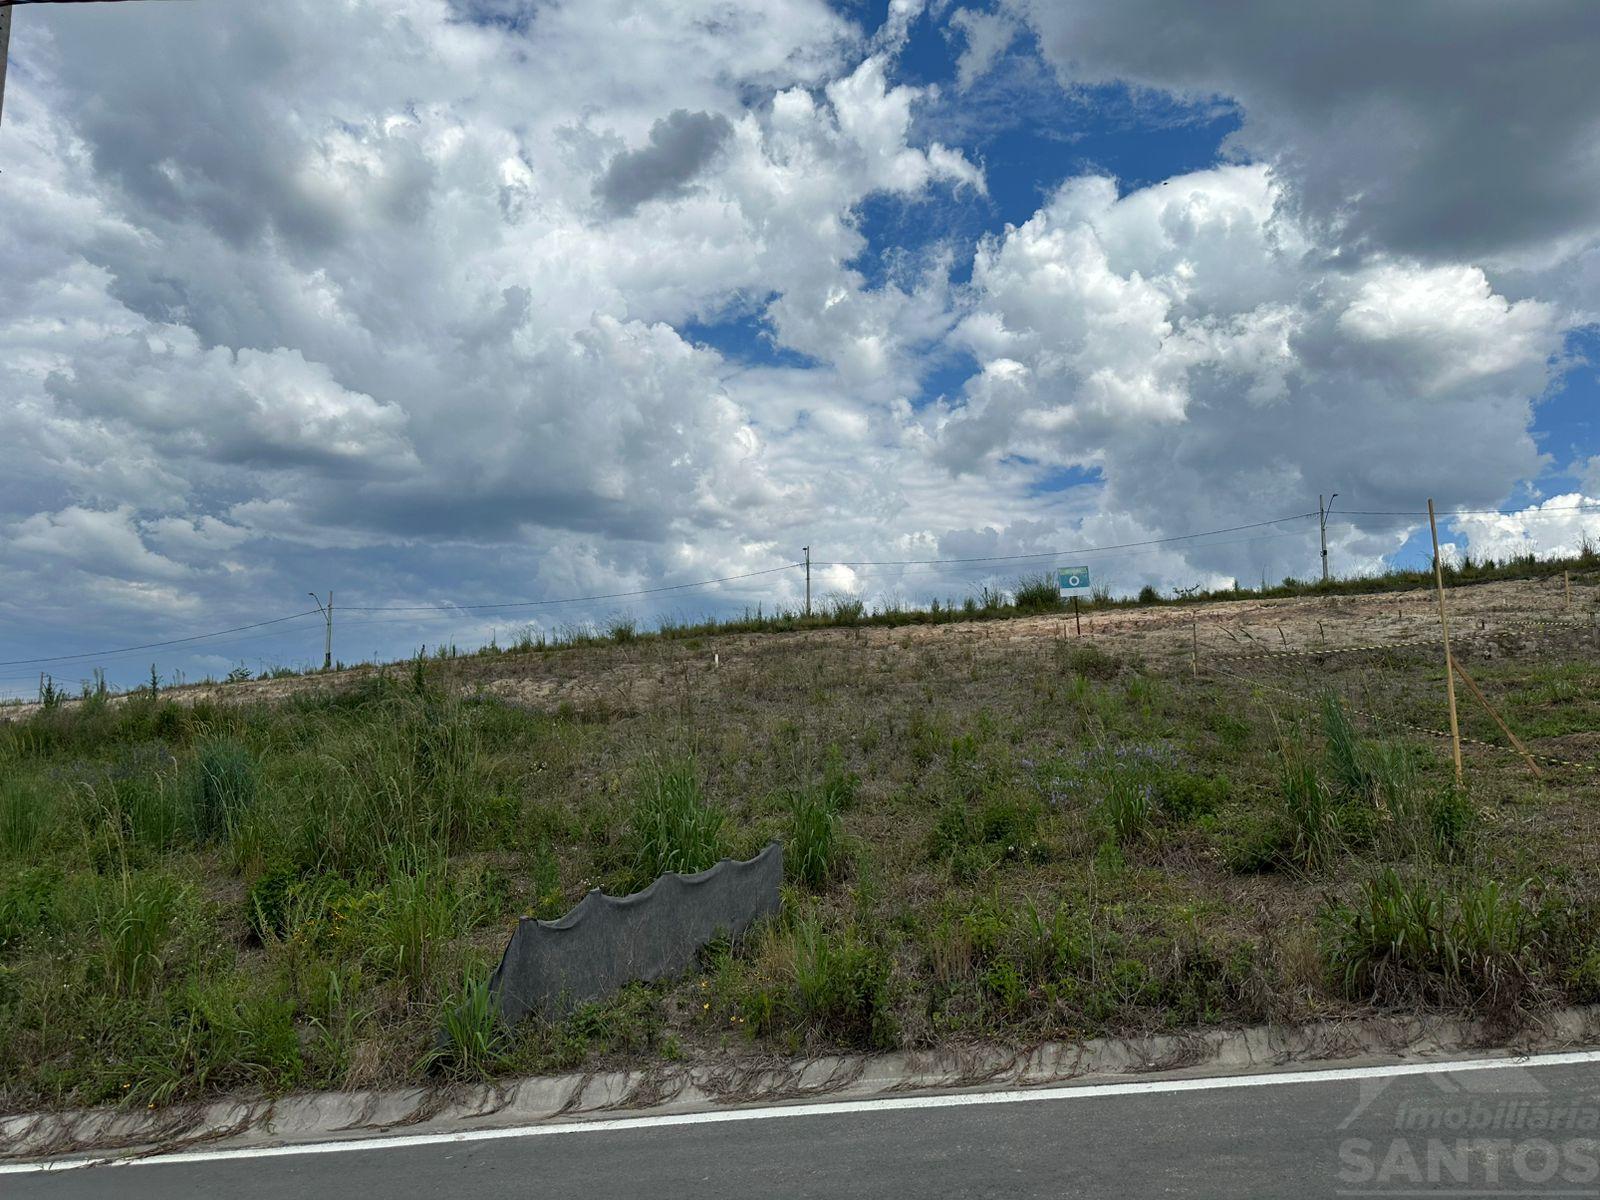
x: 953, y: 565
x: 439, y: 609
x: 24, y: 662
x: 986, y: 558
x: 675, y: 587
x: 1476, y: 512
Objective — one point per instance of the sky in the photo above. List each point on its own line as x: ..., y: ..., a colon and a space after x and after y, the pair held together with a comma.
x: 464, y: 309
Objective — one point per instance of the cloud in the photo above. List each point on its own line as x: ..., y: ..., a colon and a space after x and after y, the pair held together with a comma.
x: 987, y: 35
x: 1434, y: 128
x: 680, y: 146
x: 408, y: 316
x: 1562, y: 524
x: 1180, y: 340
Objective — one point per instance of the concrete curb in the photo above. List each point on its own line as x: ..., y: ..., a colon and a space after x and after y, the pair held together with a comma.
x: 671, y: 1088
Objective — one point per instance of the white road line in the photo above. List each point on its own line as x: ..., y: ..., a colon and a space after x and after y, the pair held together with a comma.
x: 1144, y: 1087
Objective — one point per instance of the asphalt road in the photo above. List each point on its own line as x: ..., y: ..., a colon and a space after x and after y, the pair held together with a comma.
x: 1506, y: 1131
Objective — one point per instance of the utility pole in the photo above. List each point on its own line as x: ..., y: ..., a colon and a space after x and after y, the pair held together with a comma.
x: 327, y: 639
x: 808, y: 579
x: 1322, y: 520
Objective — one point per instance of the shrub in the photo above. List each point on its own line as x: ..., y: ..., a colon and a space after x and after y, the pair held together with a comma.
x: 1007, y: 824
x: 673, y: 826
x: 1091, y: 662
x: 1037, y: 593
x: 1400, y: 940
x: 1255, y: 842
x: 1187, y: 796
x: 27, y: 900
x: 841, y: 985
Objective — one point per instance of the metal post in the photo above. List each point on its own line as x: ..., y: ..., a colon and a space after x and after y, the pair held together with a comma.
x: 808, y: 580
x: 1444, y: 628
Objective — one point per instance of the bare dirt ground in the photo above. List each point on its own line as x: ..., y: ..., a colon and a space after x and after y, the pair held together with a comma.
x: 650, y: 672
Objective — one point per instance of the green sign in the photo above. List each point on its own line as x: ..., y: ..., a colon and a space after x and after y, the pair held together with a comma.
x: 1074, y: 581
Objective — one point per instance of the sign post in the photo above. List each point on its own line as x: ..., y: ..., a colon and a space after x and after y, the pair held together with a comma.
x: 1074, y: 582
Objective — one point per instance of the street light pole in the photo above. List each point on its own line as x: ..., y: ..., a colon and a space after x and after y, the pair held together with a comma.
x: 1322, y: 520
x: 327, y: 636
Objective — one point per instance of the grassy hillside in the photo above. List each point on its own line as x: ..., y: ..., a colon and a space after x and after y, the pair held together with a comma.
x: 1014, y: 838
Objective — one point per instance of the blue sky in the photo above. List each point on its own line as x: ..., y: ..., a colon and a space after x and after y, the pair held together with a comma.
x: 415, y: 317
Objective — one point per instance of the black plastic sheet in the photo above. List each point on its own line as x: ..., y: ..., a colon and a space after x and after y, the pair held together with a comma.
x: 551, y: 967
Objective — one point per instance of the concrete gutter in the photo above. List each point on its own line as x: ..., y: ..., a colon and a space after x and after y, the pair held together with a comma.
x: 747, y: 1080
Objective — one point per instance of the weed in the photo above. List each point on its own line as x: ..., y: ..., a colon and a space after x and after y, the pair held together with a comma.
x: 1400, y: 940
x: 812, y: 855
x: 27, y: 904
x: 1090, y: 661
x: 1347, y: 757
x: 1312, y: 829
x: 471, y: 1042
x: 24, y: 816
x: 1127, y: 806
x: 416, y: 916
x: 134, y: 920
x: 841, y: 984
x: 1036, y: 593
x: 223, y: 786
x: 674, y: 827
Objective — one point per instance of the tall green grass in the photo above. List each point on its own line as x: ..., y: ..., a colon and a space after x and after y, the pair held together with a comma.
x: 673, y: 826
x: 223, y: 787
x: 1400, y: 940
x: 135, y: 918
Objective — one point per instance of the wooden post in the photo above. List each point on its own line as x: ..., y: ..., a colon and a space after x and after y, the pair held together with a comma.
x: 1444, y: 627
x: 1504, y: 728
x: 1076, y: 619
x: 1566, y: 582
x: 1194, y: 646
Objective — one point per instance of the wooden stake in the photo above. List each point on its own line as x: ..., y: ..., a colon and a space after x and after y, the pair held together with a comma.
x: 1444, y: 626
x: 1566, y: 582
x: 1194, y: 642
x: 1504, y: 728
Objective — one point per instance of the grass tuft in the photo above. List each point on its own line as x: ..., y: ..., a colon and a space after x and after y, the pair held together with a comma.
x: 673, y: 826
